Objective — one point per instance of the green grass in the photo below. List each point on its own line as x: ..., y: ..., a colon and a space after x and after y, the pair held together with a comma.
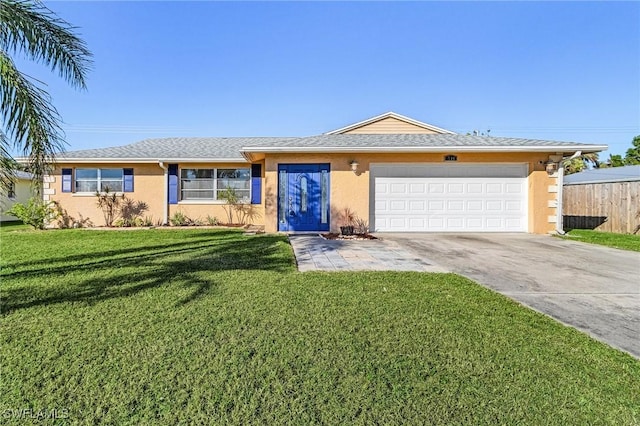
x: 209, y: 327
x: 621, y: 241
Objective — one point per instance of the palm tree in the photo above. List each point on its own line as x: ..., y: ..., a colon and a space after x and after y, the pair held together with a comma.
x: 580, y: 163
x: 30, y: 123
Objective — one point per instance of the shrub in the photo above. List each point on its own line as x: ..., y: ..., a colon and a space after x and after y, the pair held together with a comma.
x: 36, y: 212
x: 348, y: 216
x: 131, y: 211
x: 230, y: 196
x: 115, y: 205
x: 212, y: 220
x: 361, y: 226
x: 110, y: 204
x: 179, y: 219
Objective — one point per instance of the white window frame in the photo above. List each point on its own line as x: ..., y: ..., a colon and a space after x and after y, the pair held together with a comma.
x: 98, y: 179
x: 215, y: 179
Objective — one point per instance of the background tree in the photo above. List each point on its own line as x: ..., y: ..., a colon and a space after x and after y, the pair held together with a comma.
x: 631, y: 157
x: 615, y: 160
x: 30, y: 123
x: 580, y: 163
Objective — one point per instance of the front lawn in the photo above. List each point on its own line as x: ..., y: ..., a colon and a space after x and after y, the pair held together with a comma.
x: 621, y: 241
x: 209, y: 327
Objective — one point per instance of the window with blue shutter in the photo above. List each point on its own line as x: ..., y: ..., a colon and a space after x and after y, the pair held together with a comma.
x: 67, y: 177
x: 256, y: 183
x: 127, y: 184
x: 173, y: 184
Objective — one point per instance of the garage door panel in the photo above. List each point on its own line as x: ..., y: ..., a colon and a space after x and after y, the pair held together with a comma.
x: 417, y: 188
x: 435, y: 205
x: 455, y: 223
x: 513, y: 188
x: 455, y: 206
x: 494, y: 205
x: 455, y: 203
x: 474, y: 188
x: 474, y: 205
x: 493, y: 188
x: 417, y: 206
x: 398, y: 205
x: 494, y: 223
x: 435, y: 222
x: 474, y: 224
x: 381, y: 188
x: 417, y: 223
x: 455, y: 188
x: 398, y: 188
x: 513, y: 222
x: 397, y: 223
x: 513, y: 205
x: 436, y: 188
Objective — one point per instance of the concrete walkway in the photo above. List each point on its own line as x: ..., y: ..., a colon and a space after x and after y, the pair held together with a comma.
x: 314, y: 253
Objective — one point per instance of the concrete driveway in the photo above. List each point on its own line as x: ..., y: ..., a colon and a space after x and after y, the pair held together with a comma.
x: 592, y: 288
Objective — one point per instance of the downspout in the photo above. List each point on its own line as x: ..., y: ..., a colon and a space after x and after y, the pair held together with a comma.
x: 559, y: 214
x: 560, y: 183
x: 165, y: 218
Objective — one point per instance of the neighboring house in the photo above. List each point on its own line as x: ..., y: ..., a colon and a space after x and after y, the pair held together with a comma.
x: 19, y: 192
x: 397, y: 173
x: 605, y: 199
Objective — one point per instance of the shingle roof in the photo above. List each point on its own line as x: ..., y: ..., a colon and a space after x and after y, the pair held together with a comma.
x: 173, y: 148
x: 219, y: 149
x: 609, y: 174
x: 409, y: 140
x: 19, y: 174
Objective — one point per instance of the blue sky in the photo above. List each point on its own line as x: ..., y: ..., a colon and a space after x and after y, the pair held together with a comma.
x: 562, y: 71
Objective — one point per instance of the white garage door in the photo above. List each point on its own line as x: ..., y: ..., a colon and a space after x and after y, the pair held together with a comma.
x: 449, y: 197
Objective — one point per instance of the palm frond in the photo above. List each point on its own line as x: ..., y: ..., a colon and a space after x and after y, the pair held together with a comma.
x: 29, y: 118
x: 30, y: 27
x: 8, y: 165
x: 580, y: 163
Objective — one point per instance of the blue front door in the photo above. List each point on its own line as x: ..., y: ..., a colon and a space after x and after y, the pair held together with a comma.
x: 303, y: 197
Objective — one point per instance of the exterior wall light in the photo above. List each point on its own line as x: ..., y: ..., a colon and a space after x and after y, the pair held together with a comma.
x: 551, y: 167
x: 354, y: 166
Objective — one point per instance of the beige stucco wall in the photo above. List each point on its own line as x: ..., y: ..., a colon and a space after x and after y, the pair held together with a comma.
x: 149, y: 187
x: 389, y: 125
x: 349, y: 189
x: 23, y: 193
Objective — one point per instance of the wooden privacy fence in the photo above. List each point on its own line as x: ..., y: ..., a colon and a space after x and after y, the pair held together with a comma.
x: 607, y: 206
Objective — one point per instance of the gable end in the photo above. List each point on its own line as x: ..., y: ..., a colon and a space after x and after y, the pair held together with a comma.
x: 389, y: 123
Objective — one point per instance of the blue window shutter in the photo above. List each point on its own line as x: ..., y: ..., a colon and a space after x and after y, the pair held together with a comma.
x: 127, y: 184
x: 67, y: 176
x: 256, y: 183
x: 173, y: 184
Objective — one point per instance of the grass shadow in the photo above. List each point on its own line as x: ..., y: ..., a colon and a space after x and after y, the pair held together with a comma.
x: 127, y: 271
